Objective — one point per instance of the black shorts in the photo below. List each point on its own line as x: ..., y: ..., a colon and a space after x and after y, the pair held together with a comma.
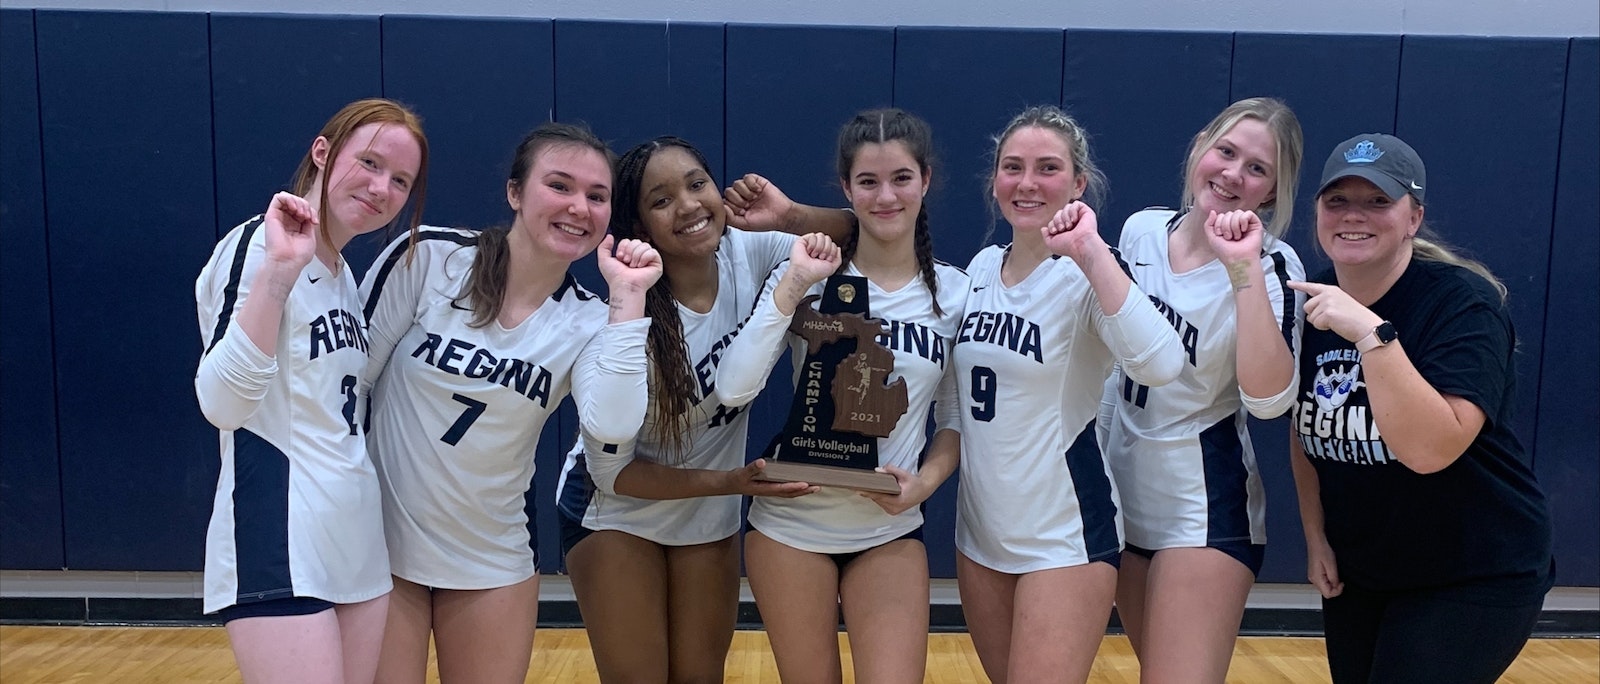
x: 572, y: 532
x: 294, y: 605
x: 1251, y: 555
x: 840, y: 560
x: 843, y: 559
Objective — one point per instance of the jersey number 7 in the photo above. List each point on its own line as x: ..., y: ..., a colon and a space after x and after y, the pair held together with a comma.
x: 475, y: 408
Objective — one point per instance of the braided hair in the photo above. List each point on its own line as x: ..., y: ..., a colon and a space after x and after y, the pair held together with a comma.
x: 880, y: 126
x: 672, y: 383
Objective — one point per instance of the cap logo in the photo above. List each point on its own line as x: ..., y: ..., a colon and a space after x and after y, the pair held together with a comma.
x: 1365, y: 152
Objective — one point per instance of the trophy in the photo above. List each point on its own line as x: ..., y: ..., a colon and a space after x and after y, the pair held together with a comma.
x: 843, y: 402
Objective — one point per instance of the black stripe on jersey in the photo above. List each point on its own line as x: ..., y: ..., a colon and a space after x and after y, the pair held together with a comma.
x: 938, y: 262
x: 1093, y: 489
x: 1227, y: 499
x: 261, y: 519
x: 230, y: 294
x: 746, y: 318
x: 1172, y: 223
x: 577, y: 489
x: 395, y: 256
x: 1280, y: 270
x: 1115, y: 254
x: 571, y: 284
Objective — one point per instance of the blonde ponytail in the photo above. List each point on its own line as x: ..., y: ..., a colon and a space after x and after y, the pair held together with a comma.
x: 1429, y: 248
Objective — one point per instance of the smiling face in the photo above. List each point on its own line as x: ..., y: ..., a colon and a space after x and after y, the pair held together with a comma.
x: 680, y: 209
x: 1034, y: 177
x: 564, y: 203
x: 1360, y: 226
x: 1238, y: 171
x: 885, y: 188
x: 369, y: 178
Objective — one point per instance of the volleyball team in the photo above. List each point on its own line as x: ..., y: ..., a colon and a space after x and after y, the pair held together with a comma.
x: 378, y: 437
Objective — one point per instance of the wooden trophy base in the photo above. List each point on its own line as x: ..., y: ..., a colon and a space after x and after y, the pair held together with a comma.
x: 830, y: 476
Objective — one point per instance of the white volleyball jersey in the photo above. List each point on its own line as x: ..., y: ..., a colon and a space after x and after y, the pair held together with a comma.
x: 457, y: 410
x: 837, y: 520
x: 717, y: 433
x: 1181, y: 453
x: 1031, y: 359
x: 297, y: 508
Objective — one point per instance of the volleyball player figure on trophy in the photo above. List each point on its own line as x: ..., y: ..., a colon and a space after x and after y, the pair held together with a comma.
x: 842, y: 402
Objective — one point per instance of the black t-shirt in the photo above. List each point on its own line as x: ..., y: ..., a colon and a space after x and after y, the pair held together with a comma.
x: 1481, y: 518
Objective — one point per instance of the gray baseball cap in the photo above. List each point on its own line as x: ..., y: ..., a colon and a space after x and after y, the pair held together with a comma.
x: 1385, y: 160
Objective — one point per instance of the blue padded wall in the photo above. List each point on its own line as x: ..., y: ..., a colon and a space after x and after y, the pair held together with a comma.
x: 30, y: 462
x: 479, y: 85
x: 1143, y: 95
x: 1567, y: 429
x: 1491, y: 158
x: 967, y: 83
x: 126, y: 104
x: 633, y: 81
x: 790, y: 88
x: 260, y: 134
x: 1335, y: 86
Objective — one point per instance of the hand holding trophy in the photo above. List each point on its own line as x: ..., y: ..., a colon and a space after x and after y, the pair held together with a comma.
x: 843, y: 402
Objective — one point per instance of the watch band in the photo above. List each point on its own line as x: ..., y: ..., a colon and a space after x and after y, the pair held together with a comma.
x: 1382, y: 334
x: 1368, y: 343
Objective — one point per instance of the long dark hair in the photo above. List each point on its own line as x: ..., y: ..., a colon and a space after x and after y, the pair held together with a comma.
x: 485, y: 290
x: 881, y: 126
x: 672, y: 384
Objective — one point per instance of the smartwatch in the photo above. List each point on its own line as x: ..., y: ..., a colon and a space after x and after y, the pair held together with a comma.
x: 1381, y: 335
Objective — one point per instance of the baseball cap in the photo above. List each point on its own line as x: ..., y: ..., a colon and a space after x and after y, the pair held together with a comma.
x: 1385, y: 160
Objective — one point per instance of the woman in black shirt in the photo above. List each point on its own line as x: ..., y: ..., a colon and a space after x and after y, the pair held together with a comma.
x: 1425, y: 531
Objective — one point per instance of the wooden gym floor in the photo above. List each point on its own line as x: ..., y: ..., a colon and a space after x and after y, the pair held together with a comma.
x: 70, y: 655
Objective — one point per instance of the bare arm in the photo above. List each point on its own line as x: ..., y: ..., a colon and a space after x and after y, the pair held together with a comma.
x: 1264, y: 360
x: 1426, y: 430
x: 755, y: 203
x: 1265, y: 366
x: 1321, y: 568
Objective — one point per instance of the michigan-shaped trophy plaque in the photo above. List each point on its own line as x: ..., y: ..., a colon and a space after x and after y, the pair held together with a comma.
x: 843, y: 401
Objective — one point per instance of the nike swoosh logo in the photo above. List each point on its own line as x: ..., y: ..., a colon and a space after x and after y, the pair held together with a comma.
x: 975, y: 289
x: 1140, y: 263
x: 313, y: 280
x: 1414, y: 186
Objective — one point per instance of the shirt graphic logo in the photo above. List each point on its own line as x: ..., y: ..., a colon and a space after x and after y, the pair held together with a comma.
x: 1332, y: 390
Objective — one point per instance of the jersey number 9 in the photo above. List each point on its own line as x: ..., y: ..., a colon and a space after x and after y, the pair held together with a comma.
x: 983, y: 391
